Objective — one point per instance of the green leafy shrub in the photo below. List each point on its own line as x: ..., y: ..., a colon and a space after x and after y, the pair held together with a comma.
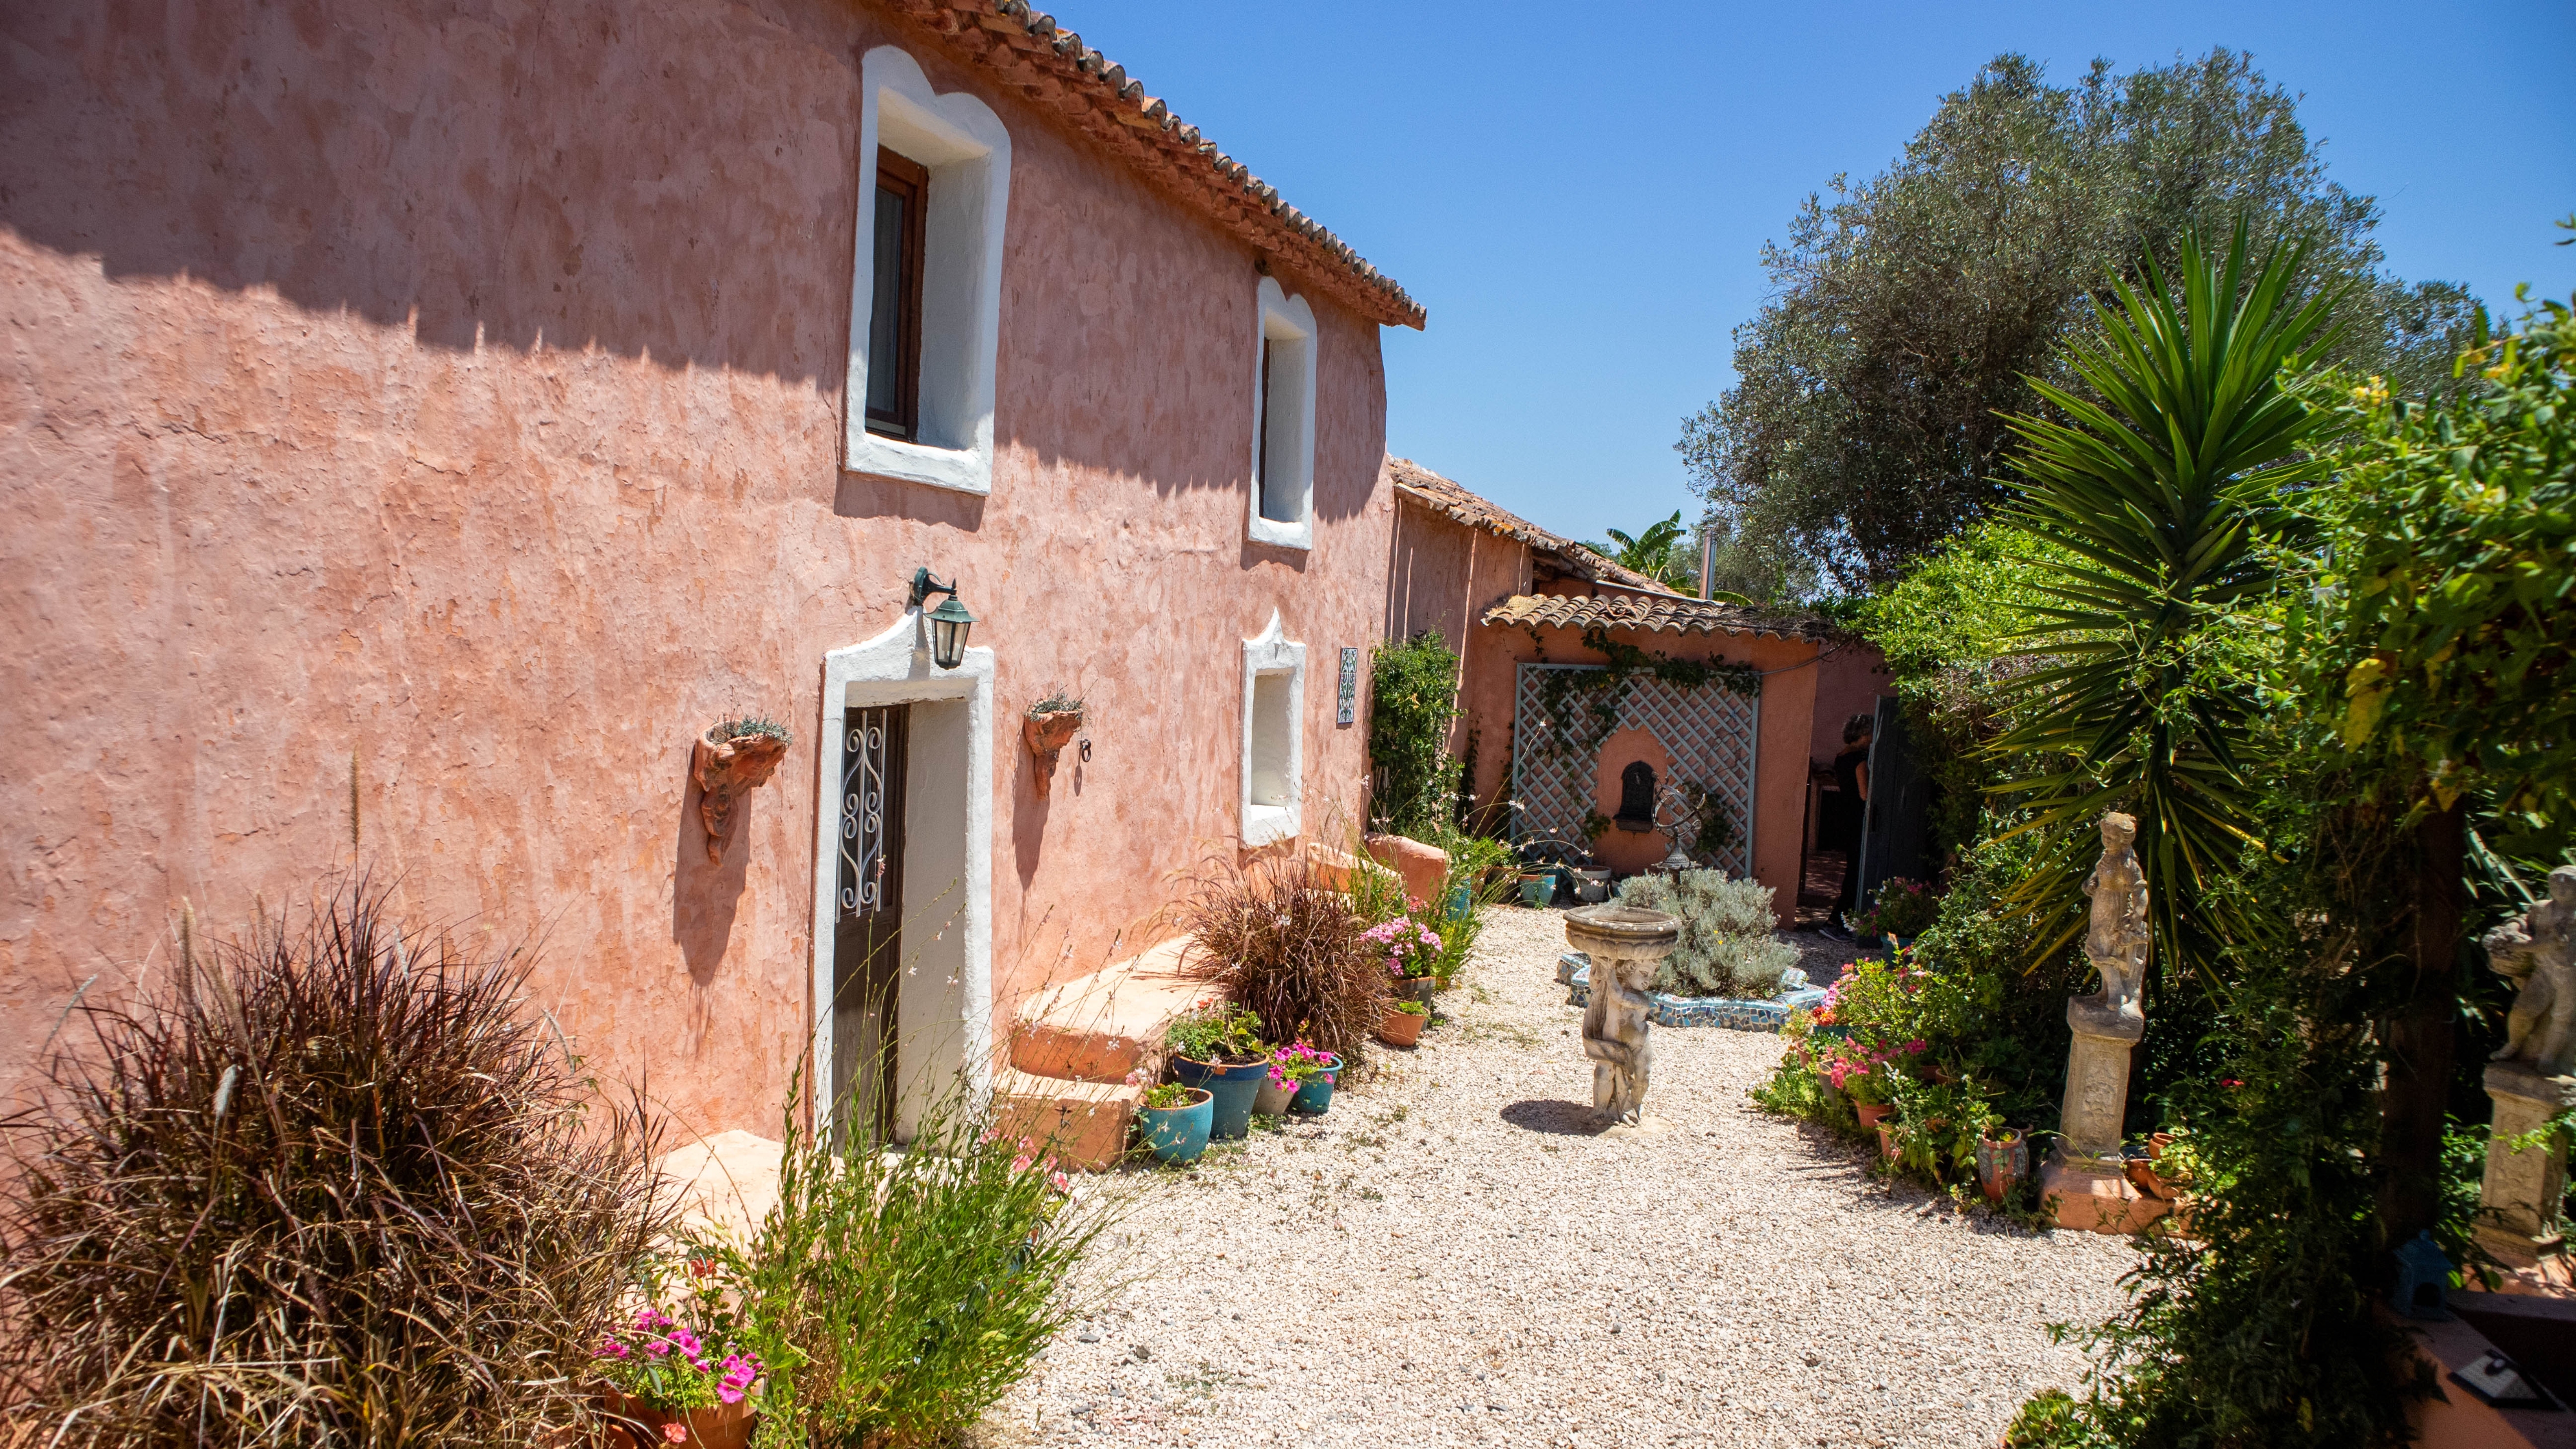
x: 1727, y: 948
x: 1797, y: 1087
x: 894, y: 1296
x: 1413, y: 691
x: 330, y: 1187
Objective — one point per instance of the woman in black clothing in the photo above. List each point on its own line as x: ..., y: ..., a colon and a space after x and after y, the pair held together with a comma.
x: 1851, y: 811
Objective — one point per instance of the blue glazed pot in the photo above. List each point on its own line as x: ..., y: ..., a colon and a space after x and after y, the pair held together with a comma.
x: 1178, y: 1134
x: 1233, y: 1088
x: 1315, y: 1096
x: 1462, y: 903
x: 1538, y: 890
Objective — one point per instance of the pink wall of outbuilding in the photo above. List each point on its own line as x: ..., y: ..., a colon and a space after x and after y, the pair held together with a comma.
x: 461, y: 390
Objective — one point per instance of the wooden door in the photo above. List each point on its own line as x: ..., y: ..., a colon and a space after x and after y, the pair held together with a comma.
x: 867, y: 939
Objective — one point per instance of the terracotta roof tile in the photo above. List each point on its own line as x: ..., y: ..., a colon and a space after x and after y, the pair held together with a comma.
x: 1665, y: 614
x: 1054, y: 71
x: 1450, y: 500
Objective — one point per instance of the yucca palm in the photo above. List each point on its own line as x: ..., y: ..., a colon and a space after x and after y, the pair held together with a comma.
x: 2160, y: 487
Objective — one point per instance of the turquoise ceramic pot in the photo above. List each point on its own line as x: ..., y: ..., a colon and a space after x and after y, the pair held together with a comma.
x: 1315, y: 1095
x: 1179, y: 1134
x: 1233, y: 1088
x: 1537, y: 890
x: 1462, y: 903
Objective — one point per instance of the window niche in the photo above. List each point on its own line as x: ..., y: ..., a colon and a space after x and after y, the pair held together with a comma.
x: 925, y: 308
x: 1274, y: 692
x: 1283, y: 420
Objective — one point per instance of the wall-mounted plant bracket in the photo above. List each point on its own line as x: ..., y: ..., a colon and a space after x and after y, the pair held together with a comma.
x: 1050, y: 725
x: 733, y: 757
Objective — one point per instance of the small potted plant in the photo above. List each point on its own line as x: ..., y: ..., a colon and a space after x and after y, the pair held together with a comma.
x: 2003, y: 1161
x: 1403, y: 1024
x: 1412, y: 950
x: 2165, y: 1168
x: 1050, y: 725
x: 1218, y: 1046
x: 671, y: 1381
x: 1175, y: 1120
x: 1901, y: 910
x: 733, y: 758
x: 1307, y: 1074
x: 1277, y: 1091
x: 1854, y: 1072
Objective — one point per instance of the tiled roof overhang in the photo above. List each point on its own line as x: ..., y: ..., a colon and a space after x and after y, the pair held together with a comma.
x: 1451, y: 501
x: 1053, y: 70
x: 1663, y: 614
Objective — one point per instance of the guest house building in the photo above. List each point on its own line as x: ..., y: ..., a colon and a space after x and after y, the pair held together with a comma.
x: 420, y: 424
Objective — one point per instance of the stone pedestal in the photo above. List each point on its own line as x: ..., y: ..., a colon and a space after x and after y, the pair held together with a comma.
x: 2097, y: 1085
x: 1624, y: 943
x: 2518, y: 1203
x: 2085, y: 1181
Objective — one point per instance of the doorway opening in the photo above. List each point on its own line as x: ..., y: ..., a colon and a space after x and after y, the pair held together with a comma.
x: 867, y: 937
x: 902, y: 943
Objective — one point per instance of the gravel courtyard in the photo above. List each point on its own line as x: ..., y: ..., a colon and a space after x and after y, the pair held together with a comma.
x: 1451, y: 1257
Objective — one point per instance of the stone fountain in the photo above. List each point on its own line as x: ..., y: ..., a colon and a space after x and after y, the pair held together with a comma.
x: 1624, y: 943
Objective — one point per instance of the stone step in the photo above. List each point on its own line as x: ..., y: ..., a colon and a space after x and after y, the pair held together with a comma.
x: 1102, y: 1026
x: 1083, y: 1125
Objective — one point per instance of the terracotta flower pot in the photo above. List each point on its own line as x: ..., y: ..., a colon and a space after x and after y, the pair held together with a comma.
x: 1046, y: 735
x: 2002, y: 1162
x: 1400, y: 1028
x: 725, y: 771
x: 1873, y: 1113
x: 1887, y: 1141
x: 633, y: 1424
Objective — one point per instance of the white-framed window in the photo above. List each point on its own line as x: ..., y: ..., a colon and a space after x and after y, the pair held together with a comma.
x: 1283, y: 420
x: 926, y: 293
x: 1274, y: 752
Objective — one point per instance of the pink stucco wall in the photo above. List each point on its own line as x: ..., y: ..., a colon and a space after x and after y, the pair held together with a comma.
x: 462, y: 390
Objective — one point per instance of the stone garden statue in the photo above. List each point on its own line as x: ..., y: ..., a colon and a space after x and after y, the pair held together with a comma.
x: 2108, y: 1024
x: 2537, y: 952
x: 2529, y: 1080
x: 2118, y: 940
x: 1624, y: 944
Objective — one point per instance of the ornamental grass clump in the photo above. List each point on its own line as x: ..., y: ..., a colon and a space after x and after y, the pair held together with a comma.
x: 1278, y: 938
x: 335, y: 1185
x: 1727, y: 948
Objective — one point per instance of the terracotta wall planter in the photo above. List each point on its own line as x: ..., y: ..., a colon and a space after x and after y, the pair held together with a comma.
x: 724, y: 772
x: 1046, y: 736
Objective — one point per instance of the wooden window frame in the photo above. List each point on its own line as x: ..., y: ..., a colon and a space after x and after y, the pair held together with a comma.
x: 910, y: 180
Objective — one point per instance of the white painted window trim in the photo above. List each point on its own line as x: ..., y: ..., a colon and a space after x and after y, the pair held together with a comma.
x: 1272, y: 654
x: 945, y: 1026
x: 1281, y: 317
x: 969, y: 155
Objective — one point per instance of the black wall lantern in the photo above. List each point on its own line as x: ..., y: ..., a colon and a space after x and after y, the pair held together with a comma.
x: 948, y: 623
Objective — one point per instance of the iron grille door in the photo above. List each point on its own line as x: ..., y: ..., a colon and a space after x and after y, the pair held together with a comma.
x: 867, y: 942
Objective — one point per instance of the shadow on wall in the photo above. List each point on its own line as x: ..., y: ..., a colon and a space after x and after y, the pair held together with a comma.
x: 706, y: 895
x: 503, y: 177
x: 669, y: 184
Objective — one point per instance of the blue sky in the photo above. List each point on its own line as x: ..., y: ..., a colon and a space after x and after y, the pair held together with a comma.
x: 1580, y: 193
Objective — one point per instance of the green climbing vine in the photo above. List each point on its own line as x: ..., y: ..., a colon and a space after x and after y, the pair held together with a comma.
x: 1578, y: 727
